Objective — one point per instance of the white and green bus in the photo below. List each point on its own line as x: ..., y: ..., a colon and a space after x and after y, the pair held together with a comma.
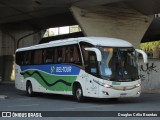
x: 95, y: 67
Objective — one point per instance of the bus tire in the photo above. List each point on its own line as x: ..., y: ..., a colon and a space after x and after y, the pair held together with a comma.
x: 78, y: 93
x: 113, y: 99
x: 29, y: 89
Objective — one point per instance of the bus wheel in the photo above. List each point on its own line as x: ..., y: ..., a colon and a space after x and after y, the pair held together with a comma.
x: 113, y: 99
x: 29, y: 89
x: 78, y: 94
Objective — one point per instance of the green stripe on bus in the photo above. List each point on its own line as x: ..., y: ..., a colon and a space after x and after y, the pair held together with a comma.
x: 51, y: 82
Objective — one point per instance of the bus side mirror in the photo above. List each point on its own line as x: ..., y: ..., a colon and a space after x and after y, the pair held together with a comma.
x: 97, y: 51
x: 143, y: 54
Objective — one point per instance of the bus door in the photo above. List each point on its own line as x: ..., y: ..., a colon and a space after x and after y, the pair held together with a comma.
x: 91, y: 67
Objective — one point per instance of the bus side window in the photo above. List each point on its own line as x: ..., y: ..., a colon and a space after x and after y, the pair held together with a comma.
x: 29, y: 58
x: 23, y: 58
x: 76, y: 55
x: 84, y: 52
x: 55, y: 58
x: 63, y: 54
x: 59, y: 54
x: 26, y: 58
x: 19, y: 58
x: 37, y: 57
x: 48, y: 55
x: 71, y: 54
x: 67, y: 54
x: 92, y: 64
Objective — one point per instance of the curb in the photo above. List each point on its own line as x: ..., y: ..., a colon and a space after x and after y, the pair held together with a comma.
x: 151, y: 91
x: 6, y: 82
x: 2, y: 97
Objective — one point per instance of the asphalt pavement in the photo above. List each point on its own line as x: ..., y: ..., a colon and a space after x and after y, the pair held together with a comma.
x: 17, y: 100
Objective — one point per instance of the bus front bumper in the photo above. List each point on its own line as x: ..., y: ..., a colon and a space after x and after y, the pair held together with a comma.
x: 122, y: 93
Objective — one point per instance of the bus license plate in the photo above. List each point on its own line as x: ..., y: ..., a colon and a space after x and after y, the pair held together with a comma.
x: 123, y: 94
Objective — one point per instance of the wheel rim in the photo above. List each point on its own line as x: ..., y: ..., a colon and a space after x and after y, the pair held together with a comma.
x: 78, y: 93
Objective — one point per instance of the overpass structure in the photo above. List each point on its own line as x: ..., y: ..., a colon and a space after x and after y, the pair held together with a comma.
x: 23, y: 22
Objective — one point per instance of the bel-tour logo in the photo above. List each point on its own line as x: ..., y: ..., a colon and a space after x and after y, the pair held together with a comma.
x: 59, y: 69
x: 52, y: 69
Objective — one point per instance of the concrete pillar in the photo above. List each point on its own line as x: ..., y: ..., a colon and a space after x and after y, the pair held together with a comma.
x: 9, y: 35
x: 113, y: 21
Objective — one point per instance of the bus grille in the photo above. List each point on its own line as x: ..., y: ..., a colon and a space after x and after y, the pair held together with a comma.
x: 123, y: 87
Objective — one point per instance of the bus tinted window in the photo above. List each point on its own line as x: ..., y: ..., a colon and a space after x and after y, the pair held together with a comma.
x: 64, y: 54
x: 26, y: 58
x: 48, y: 55
x: 37, y: 57
x: 19, y: 58
x: 92, y: 65
x: 55, y: 58
x: 68, y: 54
x: 84, y: 52
x: 74, y: 55
x: 59, y: 50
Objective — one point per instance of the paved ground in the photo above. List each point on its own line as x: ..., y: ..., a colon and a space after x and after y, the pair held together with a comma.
x: 18, y: 101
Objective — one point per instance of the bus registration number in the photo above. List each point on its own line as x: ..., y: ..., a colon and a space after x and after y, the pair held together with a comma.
x: 123, y: 94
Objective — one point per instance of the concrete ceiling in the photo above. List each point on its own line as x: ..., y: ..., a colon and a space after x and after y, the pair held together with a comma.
x: 41, y: 13
x: 16, y: 10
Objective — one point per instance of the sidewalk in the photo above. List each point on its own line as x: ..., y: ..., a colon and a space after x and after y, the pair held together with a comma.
x: 7, y: 82
x: 2, y: 97
x: 150, y: 91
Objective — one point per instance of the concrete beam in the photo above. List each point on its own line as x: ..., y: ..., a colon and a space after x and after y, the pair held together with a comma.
x: 117, y: 21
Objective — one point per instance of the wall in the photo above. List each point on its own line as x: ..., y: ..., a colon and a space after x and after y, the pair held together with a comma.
x: 150, y: 75
x: 0, y: 56
x: 9, y: 35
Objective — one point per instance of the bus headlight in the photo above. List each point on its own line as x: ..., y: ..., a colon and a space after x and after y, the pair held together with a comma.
x: 106, y: 85
x: 138, y: 85
x: 102, y: 84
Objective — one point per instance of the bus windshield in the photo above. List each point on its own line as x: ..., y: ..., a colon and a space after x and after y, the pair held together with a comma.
x: 118, y: 64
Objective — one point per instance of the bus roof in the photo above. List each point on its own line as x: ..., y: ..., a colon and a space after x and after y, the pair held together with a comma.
x: 96, y: 41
